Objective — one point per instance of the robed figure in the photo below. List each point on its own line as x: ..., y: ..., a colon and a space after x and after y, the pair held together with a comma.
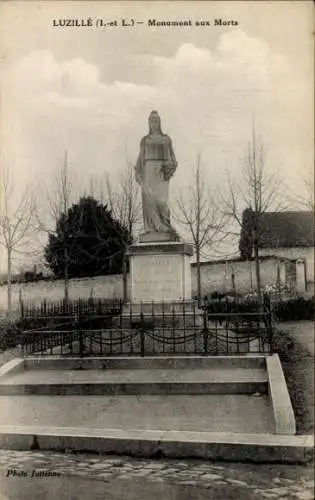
x: 155, y: 166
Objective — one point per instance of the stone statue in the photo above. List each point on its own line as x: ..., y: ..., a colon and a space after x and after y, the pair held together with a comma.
x: 155, y: 166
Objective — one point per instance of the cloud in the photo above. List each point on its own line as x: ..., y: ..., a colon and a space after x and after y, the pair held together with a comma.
x: 237, y: 43
x: 39, y: 74
x: 207, y: 100
x: 244, y: 60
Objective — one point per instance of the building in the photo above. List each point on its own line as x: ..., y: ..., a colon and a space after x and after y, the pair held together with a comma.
x: 290, y: 236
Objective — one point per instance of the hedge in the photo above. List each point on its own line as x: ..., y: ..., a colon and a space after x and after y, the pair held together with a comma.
x: 296, y: 309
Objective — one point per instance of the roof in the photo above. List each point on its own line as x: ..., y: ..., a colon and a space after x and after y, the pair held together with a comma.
x: 287, y: 229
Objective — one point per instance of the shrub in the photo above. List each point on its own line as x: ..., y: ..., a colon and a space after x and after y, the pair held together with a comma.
x: 9, y: 335
x: 228, y: 304
x: 294, y: 309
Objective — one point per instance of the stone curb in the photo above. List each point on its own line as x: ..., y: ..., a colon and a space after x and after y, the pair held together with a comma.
x: 16, y: 365
x: 157, y: 443
x: 279, y: 396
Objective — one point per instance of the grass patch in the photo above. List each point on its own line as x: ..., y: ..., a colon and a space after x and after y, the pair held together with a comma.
x: 9, y: 334
x: 298, y: 368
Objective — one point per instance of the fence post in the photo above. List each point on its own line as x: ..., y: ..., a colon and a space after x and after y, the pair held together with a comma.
x: 205, y: 330
x: 81, y: 343
x: 21, y: 309
x: 268, y: 322
x: 20, y: 301
x: 141, y: 331
x: 270, y: 335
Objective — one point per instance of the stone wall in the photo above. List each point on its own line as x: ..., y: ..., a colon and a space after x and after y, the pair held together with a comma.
x: 102, y: 286
x: 306, y: 253
x: 215, y: 276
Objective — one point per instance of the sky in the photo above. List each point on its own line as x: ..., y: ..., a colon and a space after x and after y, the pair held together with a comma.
x: 89, y: 90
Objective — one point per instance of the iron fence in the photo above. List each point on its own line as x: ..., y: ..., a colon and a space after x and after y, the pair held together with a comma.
x: 146, y: 329
x: 70, y: 308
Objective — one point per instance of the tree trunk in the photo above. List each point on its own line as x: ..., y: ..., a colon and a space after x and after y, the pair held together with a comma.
x: 257, y: 267
x: 233, y: 285
x: 251, y: 275
x: 125, y: 291
x: 66, y: 277
x: 9, y: 290
x: 198, y: 276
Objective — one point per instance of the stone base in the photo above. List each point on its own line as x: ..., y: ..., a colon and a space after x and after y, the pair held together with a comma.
x: 156, y: 237
x: 160, y: 271
x: 161, y: 308
x: 177, y: 316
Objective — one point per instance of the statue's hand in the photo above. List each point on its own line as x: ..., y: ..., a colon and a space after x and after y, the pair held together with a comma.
x: 168, y: 169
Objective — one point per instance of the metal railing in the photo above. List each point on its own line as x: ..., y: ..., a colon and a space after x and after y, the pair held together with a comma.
x: 70, y: 308
x: 144, y: 329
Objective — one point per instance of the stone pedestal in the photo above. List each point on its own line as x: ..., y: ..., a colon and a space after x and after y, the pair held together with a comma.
x: 155, y: 237
x: 160, y: 271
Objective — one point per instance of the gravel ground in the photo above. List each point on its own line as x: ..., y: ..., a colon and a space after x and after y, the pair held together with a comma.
x: 91, y: 476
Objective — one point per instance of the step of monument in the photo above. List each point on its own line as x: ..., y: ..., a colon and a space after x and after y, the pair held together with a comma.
x: 226, y: 363
x: 216, y: 412
x: 128, y: 389
x: 132, y: 382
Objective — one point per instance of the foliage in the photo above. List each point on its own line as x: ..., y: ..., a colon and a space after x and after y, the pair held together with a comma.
x: 294, y: 309
x: 91, y: 240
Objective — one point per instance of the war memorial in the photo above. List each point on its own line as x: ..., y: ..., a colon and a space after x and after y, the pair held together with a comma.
x: 160, y: 262
x: 167, y: 378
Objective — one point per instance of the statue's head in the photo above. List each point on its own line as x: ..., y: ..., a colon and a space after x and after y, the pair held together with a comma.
x: 154, y: 122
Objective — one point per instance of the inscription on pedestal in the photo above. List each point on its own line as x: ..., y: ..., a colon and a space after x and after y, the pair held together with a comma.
x: 156, y: 276
x: 160, y: 272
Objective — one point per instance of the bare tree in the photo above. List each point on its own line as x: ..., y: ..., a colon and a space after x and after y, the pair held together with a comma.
x: 308, y: 182
x: 124, y: 199
x: 16, y: 225
x: 306, y: 200
x: 196, y: 210
x: 58, y: 198
x: 124, y: 202
x: 258, y: 191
